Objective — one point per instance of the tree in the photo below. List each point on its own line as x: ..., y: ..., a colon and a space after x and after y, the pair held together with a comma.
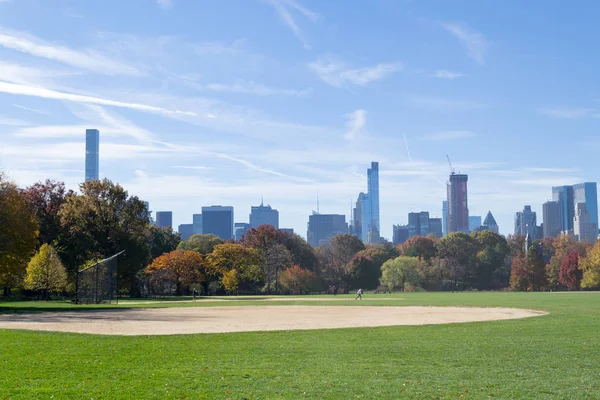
x: 276, y: 258
x: 163, y: 240
x: 180, y: 269
x: 102, y: 221
x: 201, y: 243
x: 336, y: 255
x: 362, y: 272
x: 570, y: 274
x: 491, y: 271
x: 296, y: 280
x: 564, y: 245
x: 419, y: 246
x: 46, y: 199
x: 459, y: 250
x: 401, y: 271
x: 234, y: 256
x: 46, y: 272
x: 536, y: 268
x: 519, y: 273
x: 18, y: 232
x: 590, y: 267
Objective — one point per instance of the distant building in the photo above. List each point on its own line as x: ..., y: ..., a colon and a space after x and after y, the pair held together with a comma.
x: 164, y: 219
x: 587, y: 193
x: 474, y: 222
x: 564, y: 196
x: 287, y: 230
x: 357, y: 216
x: 263, y: 215
x: 401, y: 234
x: 583, y: 228
x: 218, y: 221
x: 458, y: 205
x: 445, y: 217
x: 526, y: 223
x: 373, y: 191
x: 92, y: 154
x: 418, y: 224
x: 365, y: 218
x: 323, y: 227
x: 240, y: 229
x: 435, y: 227
x: 186, y: 230
x: 552, y: 220
x: 489, y: 223
x: 197, y: 222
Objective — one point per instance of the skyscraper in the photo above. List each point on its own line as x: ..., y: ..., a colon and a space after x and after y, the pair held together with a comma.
x: 218, y: 221
x: 584, y: 229
x: 474, y: 222
x: 197, y: 222
x: 526, y: 223
x: 357, y: 217
x: 186, y: 230
x: 489, y: 223
x: 400, y: 234
x: 365, y: 215
x: 435, y: 226
x: 564, y: 196
x: 240, y: 229
x: 587, y: 193
x: 444, y: 218
x: 323, y: 227
x: 458, y: 205
x: 164, y: 219
x: 418, y: 224
x: 92, y: 154
x: 552, y: 222
x: 263, y: 215
x: 373, y: 192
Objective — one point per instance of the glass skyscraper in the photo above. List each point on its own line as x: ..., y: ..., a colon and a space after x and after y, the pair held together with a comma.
x: 218, y: 220
x: 587, y: 193
x: 444, y: 217
x: 373, y: 186
x: 564, y: 196
x: 92, y: 154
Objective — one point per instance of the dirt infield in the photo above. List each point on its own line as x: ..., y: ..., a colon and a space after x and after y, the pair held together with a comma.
x: 171, y: 321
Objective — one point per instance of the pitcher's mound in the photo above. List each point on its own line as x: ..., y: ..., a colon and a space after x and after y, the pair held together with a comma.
x: 170, y: 321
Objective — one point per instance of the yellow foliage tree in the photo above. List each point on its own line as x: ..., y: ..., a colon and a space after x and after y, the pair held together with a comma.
x: 590, y: 265
x: 46, y: 272
x: 246, y: 262
x: 231, y: 280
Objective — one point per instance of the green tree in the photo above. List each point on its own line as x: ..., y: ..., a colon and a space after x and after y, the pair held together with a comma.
x: 491, y: 271
x: 18, y: 233
x: 100, y: 222
x: 459, y: 250
x: 163, y: 240
x: 400, y: 272
x: 419, y: 246
x: 46, y: 272
x: 245, y: 261
x: 201, y: 243
x: 536, y: 268
x: 362, y: 272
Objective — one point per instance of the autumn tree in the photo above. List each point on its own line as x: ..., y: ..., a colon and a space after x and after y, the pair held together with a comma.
x: 536, y: 269
x: 245, y: 261
x: 362, y: 272
x: 519, y: 273
x: 419, y: 246
x: 590, y: 267
x: 100, y: 222
x: 296, y: 280
x: 46, y: 199
x: 336, y: 255
x: 18, y: 234
x: 400, y: 272
x: 570, y: 275
x: 563, y: 245
x: 46, y: 272
x: 179, y: 269
x: 201, y: 243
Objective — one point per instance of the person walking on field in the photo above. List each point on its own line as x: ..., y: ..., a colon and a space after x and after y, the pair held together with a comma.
x: 358, y: 294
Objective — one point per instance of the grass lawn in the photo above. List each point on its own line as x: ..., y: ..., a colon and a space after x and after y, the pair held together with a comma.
x: 553, y: 356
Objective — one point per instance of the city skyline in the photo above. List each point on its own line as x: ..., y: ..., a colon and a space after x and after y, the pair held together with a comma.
x: 287, y: 102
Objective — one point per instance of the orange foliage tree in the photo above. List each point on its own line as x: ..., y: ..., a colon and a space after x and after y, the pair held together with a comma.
x: 179, y: 269
x: 297, y: 280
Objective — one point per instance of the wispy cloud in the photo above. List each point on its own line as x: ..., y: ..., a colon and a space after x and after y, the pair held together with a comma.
x: 25, y: 90
x: 165, y: 4
x: 449, y: 135
x: 13, y: 122
x: 441, y: 103
x: 35, y: 110
x: 283, y: 10
x: 474, y: 41
x: 568, y: 112
x: 445, y: 74
x: 355, y: 124
x: 87, y: 59
x: 251, y: 87
x: 338, y: 75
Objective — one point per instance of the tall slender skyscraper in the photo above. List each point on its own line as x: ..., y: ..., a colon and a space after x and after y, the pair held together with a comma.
x: 444, y: 217
x: 564, y: 196
x: 92, y: 154
x: 458, y: 205
x: 373, y: 186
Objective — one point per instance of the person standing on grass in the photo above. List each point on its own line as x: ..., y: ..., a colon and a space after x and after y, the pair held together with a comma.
x: 195, y: 294
x: 358, y: 294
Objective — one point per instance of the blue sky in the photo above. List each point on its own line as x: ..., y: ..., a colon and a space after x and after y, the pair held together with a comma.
x: 222, y: 102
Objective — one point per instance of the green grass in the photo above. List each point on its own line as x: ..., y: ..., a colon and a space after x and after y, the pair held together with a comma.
x: 554, y: 356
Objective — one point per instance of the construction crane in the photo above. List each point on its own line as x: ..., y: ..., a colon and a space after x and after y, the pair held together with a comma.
x: 452, y: 172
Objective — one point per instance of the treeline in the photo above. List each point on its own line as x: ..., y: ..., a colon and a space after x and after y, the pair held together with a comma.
x: 47, y: 233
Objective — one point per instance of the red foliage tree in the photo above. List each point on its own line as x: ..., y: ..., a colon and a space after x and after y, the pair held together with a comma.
x: 570, y: 274
x: 297, y: 280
